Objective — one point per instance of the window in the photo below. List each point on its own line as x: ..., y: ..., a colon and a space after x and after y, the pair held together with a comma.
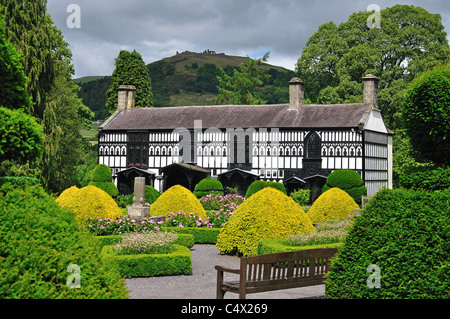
x: 137, y: 154
x: 313, y: 146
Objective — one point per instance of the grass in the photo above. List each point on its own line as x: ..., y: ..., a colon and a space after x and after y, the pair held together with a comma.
x: 91, y: 135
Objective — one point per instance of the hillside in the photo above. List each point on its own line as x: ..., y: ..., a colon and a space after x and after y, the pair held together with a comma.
x: 187, y: 78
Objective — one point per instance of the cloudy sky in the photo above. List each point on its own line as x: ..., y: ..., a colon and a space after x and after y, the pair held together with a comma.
x: 158, y: 28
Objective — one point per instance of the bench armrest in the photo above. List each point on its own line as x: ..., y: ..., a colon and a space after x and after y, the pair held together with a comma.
x: 223, y: 269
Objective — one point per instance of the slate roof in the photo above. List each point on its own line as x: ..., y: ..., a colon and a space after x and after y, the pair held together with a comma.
x: 239, y: 116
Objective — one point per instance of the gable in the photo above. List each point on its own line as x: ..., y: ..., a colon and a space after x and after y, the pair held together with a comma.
x: 375, y: 122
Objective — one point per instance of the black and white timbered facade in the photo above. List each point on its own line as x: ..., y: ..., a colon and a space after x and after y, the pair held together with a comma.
x: 296, y: 144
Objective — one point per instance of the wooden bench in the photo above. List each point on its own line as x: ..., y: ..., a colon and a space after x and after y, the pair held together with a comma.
x: 276, y: 271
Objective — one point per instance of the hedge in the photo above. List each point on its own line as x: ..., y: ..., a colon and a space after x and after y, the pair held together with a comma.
x: 349, y: 181
x: 270, y: 246
x: 207, y: 186
x: 201, y: 235
x: 177, y: 263
x: 406, y: 233
x: 256, y: 186
x: 39, y: 241
x: 186, y: 240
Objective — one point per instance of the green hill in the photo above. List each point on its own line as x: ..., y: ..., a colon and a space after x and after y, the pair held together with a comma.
x: 187, y: 78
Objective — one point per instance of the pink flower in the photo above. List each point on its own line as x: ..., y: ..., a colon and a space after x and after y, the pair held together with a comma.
x: 180, y: 225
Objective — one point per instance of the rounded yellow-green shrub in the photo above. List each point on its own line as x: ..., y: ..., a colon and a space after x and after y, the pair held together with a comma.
x: 175, y: 199
x: 333, y: 204
x: 66, y: 194
x: 268, y: 214
x: 90, y: 202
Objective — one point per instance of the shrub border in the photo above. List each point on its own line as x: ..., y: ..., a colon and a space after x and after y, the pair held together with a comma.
x: 201, y: 235
x: 186, y: 240
x: 179, y: 262
x: 269, y: 246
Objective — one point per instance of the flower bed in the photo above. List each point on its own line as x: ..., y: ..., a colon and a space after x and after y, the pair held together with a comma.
x: 186, y: 240
x: 178, y: 262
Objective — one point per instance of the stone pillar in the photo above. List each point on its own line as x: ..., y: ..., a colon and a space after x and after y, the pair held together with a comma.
x: 126, y: 97
x: 138, y: 209
x: 296, y: 93
x: 371, y: 90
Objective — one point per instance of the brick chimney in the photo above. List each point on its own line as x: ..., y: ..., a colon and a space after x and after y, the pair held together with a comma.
x: 126, y: 97
x: 370, y: 90
x: 296, y: 93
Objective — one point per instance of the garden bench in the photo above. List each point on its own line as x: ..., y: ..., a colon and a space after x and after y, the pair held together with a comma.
x: 276, y: 271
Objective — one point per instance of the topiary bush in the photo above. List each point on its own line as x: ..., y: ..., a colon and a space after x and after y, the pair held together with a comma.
x: 101, y: 177
x: 177, y: 198
x: 267, y: 214
x: 426, y: 179
x: 405, y: 233
x: 333, y: 204
x: 207, y: 186
x: 349, y: 181
x: 151, y: 194
x: 256, y: 186
x: 90, y: 202
x: 39, y: 241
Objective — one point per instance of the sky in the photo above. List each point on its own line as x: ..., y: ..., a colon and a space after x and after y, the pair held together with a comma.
x: 97, y: 30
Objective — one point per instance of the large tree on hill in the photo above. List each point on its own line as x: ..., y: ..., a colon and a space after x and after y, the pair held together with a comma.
x: 409, y: 41
x: 130, y: 70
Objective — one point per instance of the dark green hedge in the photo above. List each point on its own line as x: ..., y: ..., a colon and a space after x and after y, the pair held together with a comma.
x: 406, y: 233
x: 349, y: 181
x: 207, y: 186
x: 256, y: 186
x: 38, y: 242
x: 176, y: 263
x: 201, y: 235
x: 101, y: 177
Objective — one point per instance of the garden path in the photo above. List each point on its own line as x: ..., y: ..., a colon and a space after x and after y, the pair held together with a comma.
x: 201, y: 284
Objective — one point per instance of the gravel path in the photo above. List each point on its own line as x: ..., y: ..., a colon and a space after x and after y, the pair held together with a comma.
x: 201, y: 284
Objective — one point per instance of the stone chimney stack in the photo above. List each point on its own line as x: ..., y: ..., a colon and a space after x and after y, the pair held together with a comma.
x: 126, y: 97
x: 296, y: 93
x: 370, y: 90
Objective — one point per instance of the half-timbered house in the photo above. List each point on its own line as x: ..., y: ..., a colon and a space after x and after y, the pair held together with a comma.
x: 295, y: 143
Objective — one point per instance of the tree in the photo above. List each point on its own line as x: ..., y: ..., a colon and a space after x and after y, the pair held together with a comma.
x: 130, y: 70
x: 31, y: 30
x: 426, y: 115
x: 334, y: 60
x: 240, y: 87
x: 13, y: 93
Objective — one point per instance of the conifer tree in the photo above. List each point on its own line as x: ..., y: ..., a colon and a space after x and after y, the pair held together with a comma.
x: 130, y: 70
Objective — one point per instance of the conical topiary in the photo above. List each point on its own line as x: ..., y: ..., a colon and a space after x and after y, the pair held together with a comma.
x: 268, y: 214
x: 175, y: 199
x: 333, y: 204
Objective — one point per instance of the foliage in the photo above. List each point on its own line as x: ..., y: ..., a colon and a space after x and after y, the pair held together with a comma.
x: 214, y: 219
x: 336, y: 58
x: 333, y: 231
x: 151, y: 194
x: 21, y: 181
x: 155, y: 242
x: 240, y: 88
x: 101, y: 177
x: 38, y: 243
x: 120, y: 225
x: 13, y: 92
x: 270, y: 246
x: 301, y: 196
x: 21, y: 136
x: 333, y: 204
x: 90, y: 201
x: 146, y: 265
x: 426, y: 179
x: 221, y: 202
x: 256, y: 186
x: 208, y: 185
x: 268, y: 214
x: 426, y: 115
x: 130, y: 70
x: 349, y: 181
x: 410, y: 246
x: 177, y: 198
